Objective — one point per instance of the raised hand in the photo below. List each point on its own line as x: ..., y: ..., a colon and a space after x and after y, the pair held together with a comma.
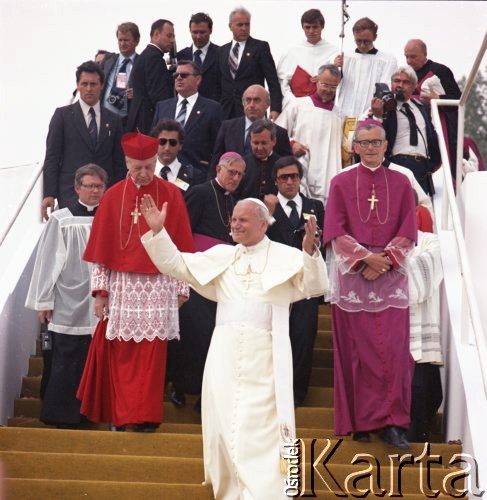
x: 309, y: 235
x: 155, y: 219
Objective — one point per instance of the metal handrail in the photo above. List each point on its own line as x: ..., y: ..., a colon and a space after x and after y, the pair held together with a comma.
x: 450, y: 207
x: 24, y: 198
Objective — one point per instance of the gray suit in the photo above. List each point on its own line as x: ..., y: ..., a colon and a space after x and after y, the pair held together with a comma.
x: 68, y: 147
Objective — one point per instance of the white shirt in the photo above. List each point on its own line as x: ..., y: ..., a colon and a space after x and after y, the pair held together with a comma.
x: 174, y: 166
x: 401, y: 145
x: 287, y: 209
x: 189, y: 107
x: 85, y: 108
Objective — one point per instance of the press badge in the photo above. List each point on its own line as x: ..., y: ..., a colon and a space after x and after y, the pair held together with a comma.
x: 121, y: 81
x: 181, y: 184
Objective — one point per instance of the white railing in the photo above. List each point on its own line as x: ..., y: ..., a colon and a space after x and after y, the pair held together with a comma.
x: 470, y: 311
x: 22, y: 201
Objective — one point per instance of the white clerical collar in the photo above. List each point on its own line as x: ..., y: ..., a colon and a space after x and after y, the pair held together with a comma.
x: 90, y: 208
x: 220, y: 184
x: 372, y: 169
x: 263, y: 243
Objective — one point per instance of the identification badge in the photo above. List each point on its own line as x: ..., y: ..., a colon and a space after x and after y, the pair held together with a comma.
x: 181, y: 184
x: 122, y: 80
x: 307, y: 216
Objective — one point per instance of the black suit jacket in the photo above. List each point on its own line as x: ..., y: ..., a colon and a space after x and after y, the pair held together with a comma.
x: 152, y: 82
x: 201, y: 129
x: 211, y: 85
x: 256, y: 67
x: 231, y: 137
x: 68, y: 147
x: 282, y: 230
x: 191, y: 175
x: 390, y: 126
x: 257, y: 183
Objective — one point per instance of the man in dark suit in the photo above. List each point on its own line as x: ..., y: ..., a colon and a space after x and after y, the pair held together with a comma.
x: 206, y: 54
x: 171, y: 140
x: 411, y: 137
x: 151, y: 80
x: 291, y: 210
x: 234, y: 134
x: 259, y: 176
x: 200, y: 117
x: 81, y: 133
x: 243, y: 62
x: 117, y: 92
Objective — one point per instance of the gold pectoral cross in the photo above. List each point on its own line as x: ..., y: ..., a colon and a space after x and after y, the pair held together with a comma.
x: 373, y: 200
x: 136, y: 214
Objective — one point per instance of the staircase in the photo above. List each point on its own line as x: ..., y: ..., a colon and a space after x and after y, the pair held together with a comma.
x: 43, y: 463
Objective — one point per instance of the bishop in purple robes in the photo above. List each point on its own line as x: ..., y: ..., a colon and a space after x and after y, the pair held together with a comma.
x: 371, y: 228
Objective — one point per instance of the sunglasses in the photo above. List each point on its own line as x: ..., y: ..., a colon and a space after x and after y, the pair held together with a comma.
x: 284, y: 177
x: 182, y: 75
x: 172, y: 142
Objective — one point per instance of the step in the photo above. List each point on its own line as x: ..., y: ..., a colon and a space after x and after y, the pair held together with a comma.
x: 322, y: 358
x: 324, y: 322
x: 324, y: 339
x: 49, y: 489
x: 321, y: 377
x: 90, y: 467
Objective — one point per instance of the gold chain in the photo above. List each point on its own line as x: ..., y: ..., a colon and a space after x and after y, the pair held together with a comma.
x: 382, y: 222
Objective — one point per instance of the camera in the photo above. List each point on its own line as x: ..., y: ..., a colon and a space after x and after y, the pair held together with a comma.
x: 116, y: 100
x: 383, y: 93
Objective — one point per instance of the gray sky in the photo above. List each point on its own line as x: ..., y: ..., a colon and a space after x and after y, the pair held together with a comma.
x: 44, y: 40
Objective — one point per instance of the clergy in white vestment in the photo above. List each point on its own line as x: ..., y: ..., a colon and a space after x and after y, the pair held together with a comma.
x: 247, y: 397
x: 362, y: 69
x: 60, y: 292
x: 425, y: 276
x: 314, y: 126
x: 298, y: 68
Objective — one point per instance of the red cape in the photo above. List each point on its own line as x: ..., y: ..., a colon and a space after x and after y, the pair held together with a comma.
x: 111, y: 243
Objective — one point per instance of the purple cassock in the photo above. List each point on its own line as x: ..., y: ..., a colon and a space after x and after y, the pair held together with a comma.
x: 370, y: 211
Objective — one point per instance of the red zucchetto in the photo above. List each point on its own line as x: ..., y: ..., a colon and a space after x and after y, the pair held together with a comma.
x: 139, y: 146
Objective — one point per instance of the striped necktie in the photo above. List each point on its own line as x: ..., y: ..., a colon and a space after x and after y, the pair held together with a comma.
x: 233, y: 60
x: 197, y: 57
x: 181, y: 118
x: 92, y: 128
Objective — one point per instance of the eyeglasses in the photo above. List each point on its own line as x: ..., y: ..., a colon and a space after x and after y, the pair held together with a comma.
x: 233, y: 173
x: 172, y: 142
x: 93, y: 187
x: 284, y: 177
x: 183, y: 75
x: 363, y: 42
x: 327, y: 86
x: 374, y: 142
x: 399, y: 81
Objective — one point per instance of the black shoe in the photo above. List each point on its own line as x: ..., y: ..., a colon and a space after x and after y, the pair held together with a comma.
x: 361, y: 437
x: 116, y: 428
x: 145, y: 427
x: 395, y: 436
x: 178, y: 398
x: 68, y: 426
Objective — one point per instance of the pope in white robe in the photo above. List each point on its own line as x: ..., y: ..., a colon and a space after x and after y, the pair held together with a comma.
x: 247, y: 399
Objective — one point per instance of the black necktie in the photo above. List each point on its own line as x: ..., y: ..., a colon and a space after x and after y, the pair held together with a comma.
x: 413, y: 128
x: 247, y: 148
x: 92, y: 128
x: 164, y: 171
x: 197, y: 57
x: 293, y: 216
x: 233, y: 60
x: 122, y: 69
x: 181, y: 118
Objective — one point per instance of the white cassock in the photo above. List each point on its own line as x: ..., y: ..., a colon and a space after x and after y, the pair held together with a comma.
x: 309, y: 57
x: 424, y: 277
x: 321, y: 131
x: 360, y: 74
x: 61, y: 279
x: 247, y: 396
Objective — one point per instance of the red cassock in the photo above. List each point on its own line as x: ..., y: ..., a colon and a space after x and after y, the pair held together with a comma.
x: 123, y: 381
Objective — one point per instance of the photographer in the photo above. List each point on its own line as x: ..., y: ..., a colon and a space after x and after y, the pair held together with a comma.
x: 411, y: 137
x: 117, y: 69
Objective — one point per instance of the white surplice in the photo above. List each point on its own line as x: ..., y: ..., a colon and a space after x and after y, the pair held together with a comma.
x: 309, y: 57
x: 425, y: 275
x: 321, y: 131
x: 61, y: 279
x: 360, y: 74
x: 247, y: 402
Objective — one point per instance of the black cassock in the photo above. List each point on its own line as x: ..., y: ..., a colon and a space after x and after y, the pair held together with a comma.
x: 210, y: 210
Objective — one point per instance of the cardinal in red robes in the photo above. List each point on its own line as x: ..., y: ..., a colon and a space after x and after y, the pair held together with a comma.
x: 123, y: 380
